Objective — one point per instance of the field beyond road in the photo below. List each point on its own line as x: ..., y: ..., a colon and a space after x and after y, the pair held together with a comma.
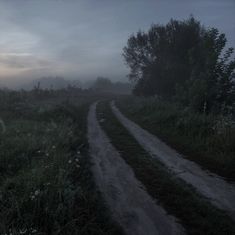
x: 54, y: 181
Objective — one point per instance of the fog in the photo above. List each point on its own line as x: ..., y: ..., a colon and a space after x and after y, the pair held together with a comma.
x: 80, y: 40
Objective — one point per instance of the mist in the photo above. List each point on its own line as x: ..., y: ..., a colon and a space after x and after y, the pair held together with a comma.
x: 82, y: 39
x: 117, y: 117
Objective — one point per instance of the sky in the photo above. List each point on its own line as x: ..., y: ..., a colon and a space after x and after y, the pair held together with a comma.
x: 83, y: 39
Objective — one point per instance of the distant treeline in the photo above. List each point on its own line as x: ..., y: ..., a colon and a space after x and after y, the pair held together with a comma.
x: 106, y: 85
x: 185, y: 62
x: 100, y: 84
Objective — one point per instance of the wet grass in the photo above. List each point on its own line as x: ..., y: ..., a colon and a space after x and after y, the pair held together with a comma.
x: 46, y: 186
x: 194, y: 212
x: 208, y: 140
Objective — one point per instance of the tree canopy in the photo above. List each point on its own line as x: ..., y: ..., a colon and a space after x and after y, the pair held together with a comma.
x: 182, y: 60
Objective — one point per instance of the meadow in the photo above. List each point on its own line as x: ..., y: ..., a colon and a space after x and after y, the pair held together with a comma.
x: 207, y: 139
x: 46, y: 186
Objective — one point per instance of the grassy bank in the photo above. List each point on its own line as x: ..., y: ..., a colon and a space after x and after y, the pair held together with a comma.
x: 206, y: 139
x: 46, y: 186
x: 195, y: 213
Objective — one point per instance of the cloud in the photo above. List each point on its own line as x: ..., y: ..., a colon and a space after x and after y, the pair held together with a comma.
x: 82, y: 38
x: 22, y: 61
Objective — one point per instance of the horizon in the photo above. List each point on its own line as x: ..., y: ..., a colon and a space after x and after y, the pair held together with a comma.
x: 81, y: 40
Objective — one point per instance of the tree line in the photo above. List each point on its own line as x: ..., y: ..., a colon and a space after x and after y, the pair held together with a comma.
x: 183, y: 61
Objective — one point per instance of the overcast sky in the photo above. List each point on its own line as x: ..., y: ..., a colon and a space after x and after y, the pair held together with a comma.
x: 84, y: 38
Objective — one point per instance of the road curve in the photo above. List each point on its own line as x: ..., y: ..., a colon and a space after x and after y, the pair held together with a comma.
x: 126, y: 198
x: 217, y: 190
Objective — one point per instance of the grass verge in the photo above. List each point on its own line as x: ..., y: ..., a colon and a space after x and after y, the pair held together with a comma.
x: 195, y: 213
x: 46, y: 186
x: 208, y: 140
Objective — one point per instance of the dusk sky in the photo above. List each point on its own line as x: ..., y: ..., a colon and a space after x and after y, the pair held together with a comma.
x: 83, y: 39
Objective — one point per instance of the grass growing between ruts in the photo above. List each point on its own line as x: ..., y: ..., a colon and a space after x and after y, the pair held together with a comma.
x: 46, y: 186
x: 207, y: 139
x: 196, y: 214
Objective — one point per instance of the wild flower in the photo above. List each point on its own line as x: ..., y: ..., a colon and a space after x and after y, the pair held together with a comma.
x: 23, y: 231
x: 70, y: 161
x: 76, y: 159
x: 77, y: 165
x: 37, y: 192
x: 53, y: 147
x: 34, y: 194
x: 102, y: 120
x: 47, y: 154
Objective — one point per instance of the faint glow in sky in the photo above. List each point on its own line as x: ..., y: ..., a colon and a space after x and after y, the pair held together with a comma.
x: 83, y: 39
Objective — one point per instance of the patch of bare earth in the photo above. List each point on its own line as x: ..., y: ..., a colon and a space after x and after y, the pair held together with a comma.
x: 130, y: 205
x: 213, y: 187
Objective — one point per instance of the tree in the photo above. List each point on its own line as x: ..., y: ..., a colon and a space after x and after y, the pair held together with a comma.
x: 102, y: 83
x: 182, y: 55
x: 211, y: 86
x: 159, y: 58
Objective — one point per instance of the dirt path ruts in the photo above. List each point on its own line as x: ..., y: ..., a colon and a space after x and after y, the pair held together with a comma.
x: 129, y: 203
x: 220, y: 193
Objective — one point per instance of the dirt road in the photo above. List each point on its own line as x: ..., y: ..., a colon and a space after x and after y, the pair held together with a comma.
x: 129, y: 203
x: 220, y: 193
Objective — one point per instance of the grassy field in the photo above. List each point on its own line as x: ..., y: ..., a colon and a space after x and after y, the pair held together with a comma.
x: 46, y: 186
x: 194, y: 212
x: 206, y: 139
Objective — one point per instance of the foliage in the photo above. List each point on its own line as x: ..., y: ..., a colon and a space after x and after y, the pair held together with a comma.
x: 206, y: 139
x: 192, y: 210
x: 102, y: 84
x: 46, y: 186
x: 183, y: 56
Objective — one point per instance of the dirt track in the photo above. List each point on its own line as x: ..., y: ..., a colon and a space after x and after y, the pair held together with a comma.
x: 129, y: 203
x: 220, y: 193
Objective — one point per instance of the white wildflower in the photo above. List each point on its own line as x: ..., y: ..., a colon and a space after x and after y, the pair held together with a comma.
x: 102, y: 120
x: 23, y: 231
x: 70, y: 161
x: 36, y: 193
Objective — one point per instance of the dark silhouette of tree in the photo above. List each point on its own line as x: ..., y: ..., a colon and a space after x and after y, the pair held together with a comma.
x: 106, y: 85
x: 102, y: 83
x: 182, y: 59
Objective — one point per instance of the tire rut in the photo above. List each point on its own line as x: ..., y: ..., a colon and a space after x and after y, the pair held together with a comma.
x: 218, y: 191
x: 130, y: 205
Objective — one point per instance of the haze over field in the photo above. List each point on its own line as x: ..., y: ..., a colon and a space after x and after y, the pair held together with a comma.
x: 117, y: 117
x: 84, y: 39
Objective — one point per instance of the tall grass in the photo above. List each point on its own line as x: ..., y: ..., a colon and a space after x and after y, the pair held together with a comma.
x: 45, y: 182
x: 206, y: 139
x: 194, y: 212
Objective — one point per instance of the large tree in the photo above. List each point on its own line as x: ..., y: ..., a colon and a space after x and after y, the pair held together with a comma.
x: 183, y: 55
